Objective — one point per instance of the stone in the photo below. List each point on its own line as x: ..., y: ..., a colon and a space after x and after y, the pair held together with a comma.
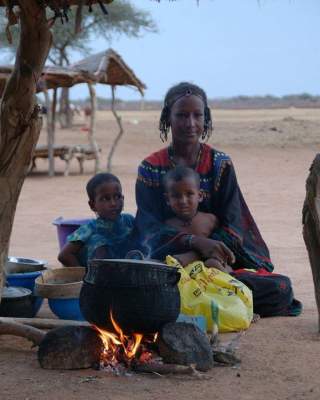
x: 184, y: 343
x: 70, y: 347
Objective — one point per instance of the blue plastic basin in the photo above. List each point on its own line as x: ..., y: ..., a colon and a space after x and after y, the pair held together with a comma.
x: 66, y: 308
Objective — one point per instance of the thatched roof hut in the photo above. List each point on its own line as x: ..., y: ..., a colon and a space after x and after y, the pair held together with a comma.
x: 109, y: 68
x: 106, y: 67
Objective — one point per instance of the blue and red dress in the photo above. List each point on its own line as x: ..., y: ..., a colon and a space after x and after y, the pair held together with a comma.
x: 222, y: 197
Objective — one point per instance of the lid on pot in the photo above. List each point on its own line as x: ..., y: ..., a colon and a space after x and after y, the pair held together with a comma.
x: 14, y: 292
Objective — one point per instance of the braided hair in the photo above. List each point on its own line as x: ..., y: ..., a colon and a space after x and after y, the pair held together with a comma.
x: 175, y: 93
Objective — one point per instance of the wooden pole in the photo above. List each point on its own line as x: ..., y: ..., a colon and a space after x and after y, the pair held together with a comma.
x: 121, y: 131
x: 50, y: 138
x: 92, y: 129
x: 311, y: 225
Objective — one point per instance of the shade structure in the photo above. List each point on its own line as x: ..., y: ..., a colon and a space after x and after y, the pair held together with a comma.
x: 108, y: 67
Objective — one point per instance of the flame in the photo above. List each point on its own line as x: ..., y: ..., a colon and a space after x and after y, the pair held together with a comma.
x: 115, y: 343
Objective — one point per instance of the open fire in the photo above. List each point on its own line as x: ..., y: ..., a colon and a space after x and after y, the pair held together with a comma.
x: 121, y: 350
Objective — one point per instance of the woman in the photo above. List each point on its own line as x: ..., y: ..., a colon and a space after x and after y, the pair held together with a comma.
x: 187, y: 114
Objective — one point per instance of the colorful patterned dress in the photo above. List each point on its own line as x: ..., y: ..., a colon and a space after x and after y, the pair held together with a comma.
x: 222, y: 197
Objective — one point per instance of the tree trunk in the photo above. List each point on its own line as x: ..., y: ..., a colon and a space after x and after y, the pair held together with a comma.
x: 19, y: 116
x: 92, y: 129
x: 311, y: 225
x: 121, y: 131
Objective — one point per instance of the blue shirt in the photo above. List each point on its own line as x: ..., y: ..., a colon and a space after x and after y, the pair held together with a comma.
x: 104, y: 238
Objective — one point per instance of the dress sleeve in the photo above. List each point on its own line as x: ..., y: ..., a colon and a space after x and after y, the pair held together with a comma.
x: 226, y: 199
x: 82, y: 234
x: 154, y: 235
x: 238, y: 229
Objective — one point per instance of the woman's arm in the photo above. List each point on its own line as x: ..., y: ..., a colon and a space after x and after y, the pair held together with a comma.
x: 68, y: 256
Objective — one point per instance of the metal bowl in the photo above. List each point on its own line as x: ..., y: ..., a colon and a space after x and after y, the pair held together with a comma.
x: 20, y: 265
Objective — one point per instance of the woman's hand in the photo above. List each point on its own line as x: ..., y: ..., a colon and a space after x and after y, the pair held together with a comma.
x: 209, y: 248
x: 186, y: 258
x: 214, y: 263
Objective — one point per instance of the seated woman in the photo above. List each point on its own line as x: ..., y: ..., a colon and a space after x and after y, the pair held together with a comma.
x: 237, y: 241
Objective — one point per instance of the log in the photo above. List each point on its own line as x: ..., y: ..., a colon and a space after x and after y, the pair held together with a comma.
x: 311, y: 225
x: 164, y: 369
x: 44, y: 323
x: 28, y: 332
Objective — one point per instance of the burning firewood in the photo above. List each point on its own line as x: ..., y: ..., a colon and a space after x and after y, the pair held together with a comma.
x: 164, y: 369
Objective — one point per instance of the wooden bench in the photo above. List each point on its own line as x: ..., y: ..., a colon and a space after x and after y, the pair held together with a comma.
x: 65, y: 153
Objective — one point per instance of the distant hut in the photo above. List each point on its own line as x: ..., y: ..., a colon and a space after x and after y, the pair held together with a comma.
x: 106, y: 67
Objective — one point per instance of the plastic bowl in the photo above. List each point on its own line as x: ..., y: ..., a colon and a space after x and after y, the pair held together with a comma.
x: 66, y: 308
x: 23, y: 272
x: 62, y: 287
x: 60, y: 283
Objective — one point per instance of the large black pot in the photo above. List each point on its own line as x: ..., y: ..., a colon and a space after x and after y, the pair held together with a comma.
x: 142, y: 295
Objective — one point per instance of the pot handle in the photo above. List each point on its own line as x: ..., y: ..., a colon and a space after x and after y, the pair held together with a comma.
x: 134, y: 255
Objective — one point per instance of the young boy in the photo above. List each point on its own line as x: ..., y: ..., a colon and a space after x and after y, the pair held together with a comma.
x: 183, y: 195
x: 108, y: 236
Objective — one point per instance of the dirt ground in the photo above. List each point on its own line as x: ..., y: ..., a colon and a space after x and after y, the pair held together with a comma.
x: 272, y: 151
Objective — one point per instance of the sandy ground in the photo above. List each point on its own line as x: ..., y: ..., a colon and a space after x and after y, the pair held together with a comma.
x: 272, y: 151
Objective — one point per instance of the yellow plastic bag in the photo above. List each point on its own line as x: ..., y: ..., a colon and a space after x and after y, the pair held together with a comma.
x: 225, y: 302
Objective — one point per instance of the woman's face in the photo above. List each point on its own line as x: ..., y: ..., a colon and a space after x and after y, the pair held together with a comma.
x: 187, y: 120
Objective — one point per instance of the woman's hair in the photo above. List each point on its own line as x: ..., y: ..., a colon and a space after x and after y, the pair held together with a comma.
x: 179, y: 173
x: 174, y: 94
x: 97, y: 180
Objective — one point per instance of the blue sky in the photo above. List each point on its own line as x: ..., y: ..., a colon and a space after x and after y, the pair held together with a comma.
x: 229, y: 47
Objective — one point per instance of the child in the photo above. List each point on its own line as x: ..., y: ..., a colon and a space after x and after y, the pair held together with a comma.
x: 183, y: 195
x: 108, y: 235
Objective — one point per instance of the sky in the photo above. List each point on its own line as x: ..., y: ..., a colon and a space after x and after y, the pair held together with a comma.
x: 228, y: 47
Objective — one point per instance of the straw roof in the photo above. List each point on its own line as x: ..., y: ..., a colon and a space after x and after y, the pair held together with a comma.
x: 109, y: 68
x: 106, y: 67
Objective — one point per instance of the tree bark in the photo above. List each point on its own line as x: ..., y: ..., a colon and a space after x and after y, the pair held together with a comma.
x: 92, y: 130
x: 19, y: 116
x: 121, y: 131
x: 311, y: 225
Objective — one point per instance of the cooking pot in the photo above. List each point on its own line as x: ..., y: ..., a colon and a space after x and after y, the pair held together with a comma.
x: 16, y: 302
x: 142, y: 295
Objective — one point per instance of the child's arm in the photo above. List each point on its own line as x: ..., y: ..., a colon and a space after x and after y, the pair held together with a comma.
x: 68, y: 255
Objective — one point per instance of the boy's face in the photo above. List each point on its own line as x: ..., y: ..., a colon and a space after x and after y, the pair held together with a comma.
x: 183, y: 197
x: 108, y: 201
